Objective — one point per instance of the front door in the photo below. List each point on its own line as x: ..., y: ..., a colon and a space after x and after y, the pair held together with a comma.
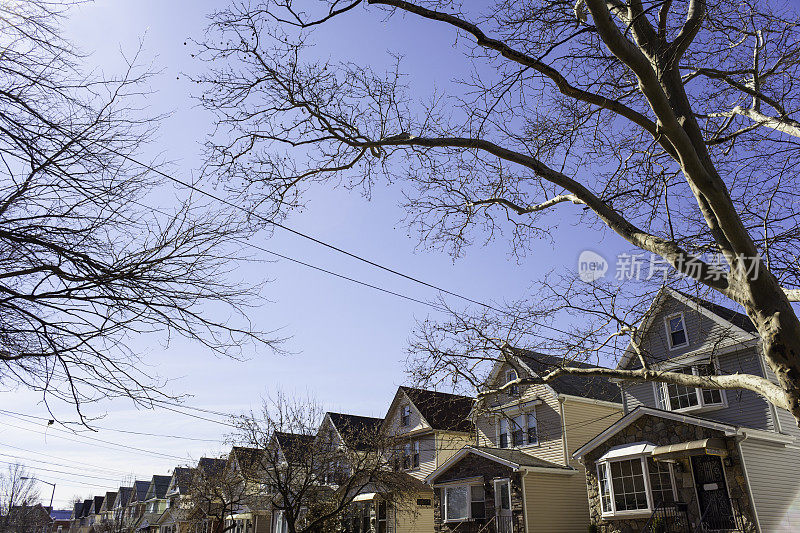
x: 712, y: 492
x: 502, y: 505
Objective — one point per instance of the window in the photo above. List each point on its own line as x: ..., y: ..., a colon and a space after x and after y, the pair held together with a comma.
x: 410, y: 455
x: 464, y: 502
x: 513, y: 390
x: 518, y: 431
x: 676, y: 328
x: 634, y: 485
x: 681, y: 397
x: 405, y: 415
x: 415, y: 454
x: 407, y: 456
x: 424, y: 502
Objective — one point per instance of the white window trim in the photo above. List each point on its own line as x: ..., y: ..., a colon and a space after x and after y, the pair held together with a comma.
x: 613, y: 513
x: 513, y: 390
x: 510, y: 417
x: 698, y: 391
x: 468, y: 487
x: 669, y: 333
x: 403, y: 408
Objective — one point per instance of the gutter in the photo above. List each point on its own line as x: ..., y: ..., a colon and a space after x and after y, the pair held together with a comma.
x: 564, y: 397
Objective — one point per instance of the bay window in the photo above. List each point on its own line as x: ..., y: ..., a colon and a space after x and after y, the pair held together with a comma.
x: 464, y: 502
x: 634, y: 485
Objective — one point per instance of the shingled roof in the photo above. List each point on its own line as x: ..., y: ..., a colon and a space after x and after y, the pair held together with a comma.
x: 140, y: 490
x: 442, y: 410
x: 211, y: 464
x: 183, y: 477
x: 160, y: 484
x: 124, y: 495
x: 358, y: 432
x: 293, y: 445
x: 594, y: 387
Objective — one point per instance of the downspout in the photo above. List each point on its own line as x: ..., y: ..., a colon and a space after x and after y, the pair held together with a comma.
x: 524, y: 501
x: 747, y: 480
x: 561, y: 401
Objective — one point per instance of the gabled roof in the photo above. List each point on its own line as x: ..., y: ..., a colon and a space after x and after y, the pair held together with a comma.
x: 293, y: 445
x: 58, y: 514
x: 442, y: 410
x: 139, y: 490
x: 158, y: 487
x: 357, y: 432
x: 513, y: 458
x: 181, y: 478
x: 97, y: 504
x: 740, y: 320
x: 594, y: 387
x: 77, y: 509
x: 86, y: 510
x: 249, y: 460
x: 123, y: 496
x: 211, y: 464
x: 641, y: 411
x: 108, y: 501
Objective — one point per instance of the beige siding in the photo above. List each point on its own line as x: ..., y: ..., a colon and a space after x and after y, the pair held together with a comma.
x: 393, y: 418
x: 411, y: 518
x: 447, y: 444
x: 773, y: 473
x: 427, y: 456
x: 556, y: 503
x: 548, y: 420
x: 584, y: 421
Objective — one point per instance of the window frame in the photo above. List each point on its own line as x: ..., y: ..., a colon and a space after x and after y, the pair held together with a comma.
x: 513, y: 390
x: 468, y: 488
x: 508, y: 420
x: 405, y: 415
x: 628, y: 513
x: 669, y: 331
x: 661, y: 390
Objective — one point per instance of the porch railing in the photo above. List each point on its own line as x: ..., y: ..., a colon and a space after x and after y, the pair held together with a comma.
x: 668, y: 518
x: 715, y: 517
x: 505, y: 524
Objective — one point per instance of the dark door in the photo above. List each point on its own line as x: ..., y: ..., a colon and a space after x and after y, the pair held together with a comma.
x: 712, y: 492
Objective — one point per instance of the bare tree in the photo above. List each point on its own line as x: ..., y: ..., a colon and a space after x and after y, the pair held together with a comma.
x: 18, y: 494
x: 309, y: 475
x: 673, y: 124
x: 88, y: 259
x: 214, y: 493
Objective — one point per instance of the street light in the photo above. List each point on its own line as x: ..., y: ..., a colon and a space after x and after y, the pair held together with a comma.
x: 47, y: 482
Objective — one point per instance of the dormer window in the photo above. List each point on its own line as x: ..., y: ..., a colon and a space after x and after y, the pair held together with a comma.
x: 682, y: 398
x: 513, y: 390
x: 676, y: 328
x: 405, y: 415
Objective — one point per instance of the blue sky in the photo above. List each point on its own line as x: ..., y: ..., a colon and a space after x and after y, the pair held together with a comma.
x: 349, y: 342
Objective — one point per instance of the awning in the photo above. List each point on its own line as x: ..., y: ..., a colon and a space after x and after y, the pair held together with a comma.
x: 367, y: 496
x: 712, y: 446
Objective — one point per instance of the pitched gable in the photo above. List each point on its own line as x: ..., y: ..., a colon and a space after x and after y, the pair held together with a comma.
x: 441, y: 410
x: 708, y: 326
x: 357, y: 432
x: 592, y: 387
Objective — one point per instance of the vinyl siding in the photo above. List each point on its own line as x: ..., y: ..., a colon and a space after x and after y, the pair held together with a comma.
x: 774, y: 475
x: 447, y: 444
x: 584, y: 421
x: 548, y: 421
x: 745, y: 408
x: 636, y: 394
x: 409, y: 518
x: 556, y: 503
x: 786, y: 421
x: 702, y: 332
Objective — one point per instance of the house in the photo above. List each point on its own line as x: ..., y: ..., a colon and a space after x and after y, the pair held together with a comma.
x: 106, y: 514
x: 174, y: 517
x: 155, y: 503
x: 422, y: 428
x: 118, y: 508
x: 517, y: 474
x: 688, y: 457
x: 135, y: 507
x: 249, y: 511
x: 61, y: 520
x: 199, y: 506
x: 283, y: 451
x: 95, y: 514
x: 26, y: 519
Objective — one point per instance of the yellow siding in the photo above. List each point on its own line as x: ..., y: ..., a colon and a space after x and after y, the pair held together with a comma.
x: 410, y: 518
x: 556, y: 503
x: 584, y: 421
x: 447, y: 444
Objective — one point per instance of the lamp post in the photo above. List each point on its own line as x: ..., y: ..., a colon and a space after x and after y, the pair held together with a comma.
x: 48, y: 483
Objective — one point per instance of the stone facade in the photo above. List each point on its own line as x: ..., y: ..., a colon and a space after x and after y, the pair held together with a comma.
x: 470, y: 466
x: 661, y: 431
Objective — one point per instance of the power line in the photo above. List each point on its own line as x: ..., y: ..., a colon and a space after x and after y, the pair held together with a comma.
x: 332, y: 247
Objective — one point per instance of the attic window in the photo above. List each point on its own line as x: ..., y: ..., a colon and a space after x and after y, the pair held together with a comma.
x: 676, y: 327
x: 405, y: 415
x: 513, y: 390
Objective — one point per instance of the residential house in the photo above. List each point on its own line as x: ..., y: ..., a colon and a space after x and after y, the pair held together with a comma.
x: 107, y: 509
x: 423, y: 428
x: 135, y: 508
x: 118, y: 508
x: 155, y: 503
x: 284, y: 451
x: 61, y: 520
x: 26, y: 519
x: 694, y: 458
x: 199, y: 514
x: 250, y: 512
x: 95, y: 514
x: 517, y: 474
x: 174, y: 518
